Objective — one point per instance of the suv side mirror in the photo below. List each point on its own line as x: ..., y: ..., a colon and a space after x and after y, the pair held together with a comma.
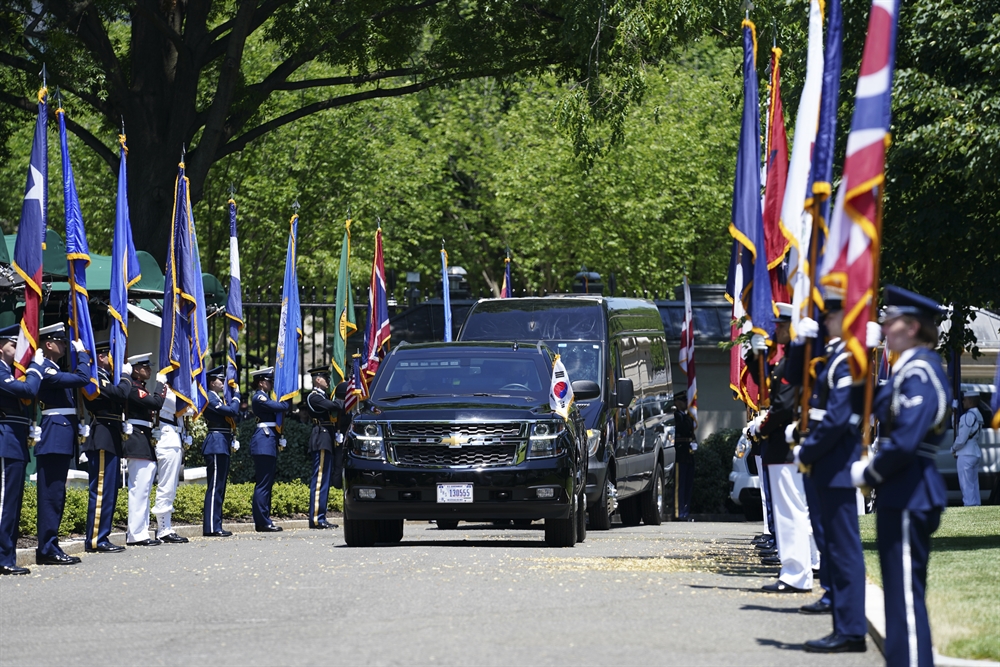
x: 624, y: 392
x: 586, y: 390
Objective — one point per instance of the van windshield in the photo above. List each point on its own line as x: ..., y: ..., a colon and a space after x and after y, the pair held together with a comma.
x: 448, y: 375
x: 582, y: 359
x: 535, y: 319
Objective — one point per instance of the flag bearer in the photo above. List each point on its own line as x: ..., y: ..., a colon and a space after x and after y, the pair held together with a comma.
x: 139, y: 448
x: 221, y: 420
x: 170, y: 441
x: 264, y: 446
x: 325, y: 414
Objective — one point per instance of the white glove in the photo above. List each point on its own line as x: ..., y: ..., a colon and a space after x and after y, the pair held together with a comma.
x: 808, y: 328
x: 790, y: 433
x: 873, y: 335
x: 39, y: 357
x: 78, y: 345
x: 126, y: 428
x: 339, y: 437
x: 35, y: 432
x: 795, y: 453
x: 754, y: 426
x: 758, y: 343
x: 83, y: 458
x: 954, y: 404
x: 858, y: 473
x: 236, y: 445
x: 126, y: 368
x: 83, y: 430
x: 161, y: 378
x: 282, y: 443
x: 188, y: 440
x: 694, y: 445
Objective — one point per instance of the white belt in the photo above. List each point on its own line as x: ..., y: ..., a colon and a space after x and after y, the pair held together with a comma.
x: 264, y: 424
x: 59, y: 411
x: 816, y: 414
x: 141, y: 422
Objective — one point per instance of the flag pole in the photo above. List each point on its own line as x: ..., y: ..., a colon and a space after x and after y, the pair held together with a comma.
x: 866, y: 438
x: 807, y: 355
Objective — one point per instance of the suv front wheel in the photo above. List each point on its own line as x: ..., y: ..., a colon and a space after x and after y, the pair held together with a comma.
x: 562, y: 532
x: 361, y: 532
x: 651, y: 501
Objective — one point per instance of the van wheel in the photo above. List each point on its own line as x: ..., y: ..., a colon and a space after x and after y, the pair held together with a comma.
x: 629, y: 511
x: 651, y: 501
x: 600, y: 514
x: 562, y: 532
x: 447, y: 524
x: 581, y: 516
x: 361, y: 532
x: 390, y: 531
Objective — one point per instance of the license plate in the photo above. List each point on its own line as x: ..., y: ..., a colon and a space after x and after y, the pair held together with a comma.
x: 454, y: 493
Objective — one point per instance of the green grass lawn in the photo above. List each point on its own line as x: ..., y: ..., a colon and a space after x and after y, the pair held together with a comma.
x: 963, y: 580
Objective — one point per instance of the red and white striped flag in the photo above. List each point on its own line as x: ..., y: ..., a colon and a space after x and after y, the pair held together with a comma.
x: 687, y: 354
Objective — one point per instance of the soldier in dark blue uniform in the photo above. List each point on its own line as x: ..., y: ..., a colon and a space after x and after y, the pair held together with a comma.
x: 832, y: 444
x: 139, y: 448
x: 103, y: 451
x: 912, y: 409
x: 685, y: 444
x: 60, y: 427
x: 221, y: 420
x: 14, y: 425
x: 323, y: 439
x: 344, y: 420
x: 264, y: 446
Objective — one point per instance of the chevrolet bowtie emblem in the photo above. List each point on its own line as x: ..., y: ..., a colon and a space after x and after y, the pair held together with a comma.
x: 455, y: 440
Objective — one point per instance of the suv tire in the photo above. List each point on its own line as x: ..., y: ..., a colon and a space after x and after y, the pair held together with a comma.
x: 629, y: 511
x: 562, y: 532
x: 651, y: 500
x: 581, y: 516
x: 600, y: 517
x: 361, y: 532
x: 447, y: 524
x: 390, y: 531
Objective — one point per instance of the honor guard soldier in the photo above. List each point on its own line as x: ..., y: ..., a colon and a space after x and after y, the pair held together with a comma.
x: 966, y: 449
x: 324, y: 438
x: 171, y: 440
x: 103, y: 452
x: 685, y: 445
x: 14, y: 429
x: 793, y: 534
x: 221, y: 420
x: 143, y: 411
x: 912, y: 409
x: 264, y: 447
x: 831, y: 446
x: 60, y: 426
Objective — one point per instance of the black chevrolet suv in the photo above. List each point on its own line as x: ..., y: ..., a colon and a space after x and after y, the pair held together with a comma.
x: 464, y: 431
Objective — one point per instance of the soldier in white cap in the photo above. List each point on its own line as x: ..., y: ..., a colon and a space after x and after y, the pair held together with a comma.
x: 170, y: 443
x: 966, y: 448
x: 143, y: 409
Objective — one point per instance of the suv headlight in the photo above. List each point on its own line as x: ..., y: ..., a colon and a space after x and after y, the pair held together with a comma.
x: 544, y: 440
x: 742, y: 448
x: 366, y: 440
x: 593, y: 441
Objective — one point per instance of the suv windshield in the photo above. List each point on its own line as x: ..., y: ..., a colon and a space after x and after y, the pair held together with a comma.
x: 582, y: 359
x: 451, y: 375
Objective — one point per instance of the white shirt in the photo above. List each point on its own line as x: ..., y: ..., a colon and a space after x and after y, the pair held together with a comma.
x: 970, y: 425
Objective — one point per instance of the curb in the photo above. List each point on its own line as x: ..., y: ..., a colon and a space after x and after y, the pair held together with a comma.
x: 26, y: 557
x: 875, y: 613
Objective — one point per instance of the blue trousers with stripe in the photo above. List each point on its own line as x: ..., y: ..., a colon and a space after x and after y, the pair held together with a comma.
x: 319, y: 487
x: 845, y: 562
x: 11, y: 496
x: 105, y: 480
x: 264, y: 467
x: 684, y: 485
x: 904, y: 545
x: 816, y: 521
x: 217, y: 469
x: 52, y: 471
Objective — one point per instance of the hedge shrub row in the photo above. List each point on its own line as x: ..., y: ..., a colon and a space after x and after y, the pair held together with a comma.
x: 712, y: 464
x: 294, y: 463
x: 287, y: 499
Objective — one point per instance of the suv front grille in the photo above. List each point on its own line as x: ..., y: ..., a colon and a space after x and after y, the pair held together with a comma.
x: 434, y: 431
x: 455, y: 444
x: 477, y: 456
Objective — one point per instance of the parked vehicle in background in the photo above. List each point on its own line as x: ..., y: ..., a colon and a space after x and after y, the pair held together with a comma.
x: 619, y: 344
x: 744, y: 482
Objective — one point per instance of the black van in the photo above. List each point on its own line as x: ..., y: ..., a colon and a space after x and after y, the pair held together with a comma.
x: 619, y: 344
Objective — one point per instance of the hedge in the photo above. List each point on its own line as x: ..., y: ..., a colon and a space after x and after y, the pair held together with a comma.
x: 712, y: 464
x: 287, y: 499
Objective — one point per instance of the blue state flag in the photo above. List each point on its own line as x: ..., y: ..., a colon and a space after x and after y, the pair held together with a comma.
x: 446, y: 293
x: 234, y: 307
x: 287, y: 380
x: 124, y: 270
x: 77, y: 260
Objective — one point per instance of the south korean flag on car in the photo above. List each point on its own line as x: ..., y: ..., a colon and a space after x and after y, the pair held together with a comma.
x: 561, y: 391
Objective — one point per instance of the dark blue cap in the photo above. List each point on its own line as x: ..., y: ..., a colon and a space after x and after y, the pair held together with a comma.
x: 217, y: 372
x: 899, y: 302
x: 102, y: 346
x: 11, y: 332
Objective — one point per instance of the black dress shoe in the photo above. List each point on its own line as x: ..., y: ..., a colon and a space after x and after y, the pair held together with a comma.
x: 14, y: 570
x: 770, y: 560
x: 106, y: 548
x: 174, y: 538
x: 218, y: 533
x: 327, y: 525
x: 836, y: 644
x: 781, y: 587
x: 767, y: 552
x: 269, y: 529
x: 55, y: 559
x: 767, y: 544
x: 152, y: 542
x: 817, y: 607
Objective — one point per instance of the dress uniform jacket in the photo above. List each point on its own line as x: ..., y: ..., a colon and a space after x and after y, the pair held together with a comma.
x: 783, y: 393
x: 264, y: 441
x: 325, y: 414
x: 143, y: 407
x: 59, y: 419
x: 683, y: 436
x: 220, y: 419
x: 15, y: 416
x: 106, y: 430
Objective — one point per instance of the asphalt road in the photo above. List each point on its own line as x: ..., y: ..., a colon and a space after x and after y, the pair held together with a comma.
x: 681, y: 593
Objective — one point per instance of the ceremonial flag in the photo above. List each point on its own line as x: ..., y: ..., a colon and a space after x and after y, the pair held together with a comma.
x: 124, y: 270
x: 505, y: 288
x: 446, y: 294
x: 687, y: 354
x: 377, y: 330
x: 234, y: 306
x: 826, y: 135
x: 864, y: 174
x: 796, y: 220
x: 748, y: 286
x: 357, y: 389
x: 77, y: 261
x: 183, y: 341
x: 345, y: 307
x: 774, y: 188
x: 287, y: 380
x: 31, y: 238
x: 995, y: 403
x: 561, y: 390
